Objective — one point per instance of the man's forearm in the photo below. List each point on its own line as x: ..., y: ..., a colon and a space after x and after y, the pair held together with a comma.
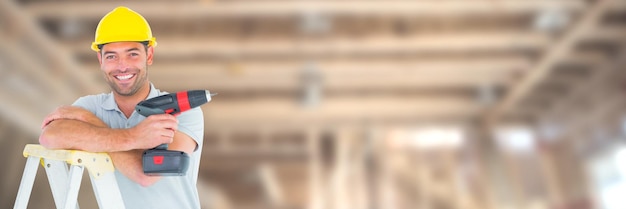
x: 129, y: 163
x: 76, y: 128
x: 75, y: 134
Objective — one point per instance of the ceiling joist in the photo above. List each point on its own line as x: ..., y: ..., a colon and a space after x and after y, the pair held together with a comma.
x: 189, y: 9
x: 553, y: 55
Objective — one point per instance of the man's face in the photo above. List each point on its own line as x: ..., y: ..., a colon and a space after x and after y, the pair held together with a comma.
x: 124, y: 65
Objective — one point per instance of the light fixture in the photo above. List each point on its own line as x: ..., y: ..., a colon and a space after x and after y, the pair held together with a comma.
x: 311, y: 81
x: 551, y: 20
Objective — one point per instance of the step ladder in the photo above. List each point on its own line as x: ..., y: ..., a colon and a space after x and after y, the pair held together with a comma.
x: 65, y: 183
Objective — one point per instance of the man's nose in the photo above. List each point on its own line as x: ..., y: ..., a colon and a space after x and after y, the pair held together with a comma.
x: 122, y: 64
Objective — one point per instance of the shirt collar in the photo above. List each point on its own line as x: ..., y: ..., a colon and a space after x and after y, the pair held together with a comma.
x: 109, y: 101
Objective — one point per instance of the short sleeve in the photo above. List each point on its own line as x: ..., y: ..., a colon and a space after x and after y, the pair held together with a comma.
x: 87, y: 102
x: 192, y: 123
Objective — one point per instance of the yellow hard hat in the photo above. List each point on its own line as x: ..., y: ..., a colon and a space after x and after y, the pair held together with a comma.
x: 122, y: 24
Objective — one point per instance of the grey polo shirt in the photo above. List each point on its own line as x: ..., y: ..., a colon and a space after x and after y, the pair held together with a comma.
x: 170, y: 191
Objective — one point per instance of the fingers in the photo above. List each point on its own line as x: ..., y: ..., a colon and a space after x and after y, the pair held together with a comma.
x: 155, y: 130
x: 47, y: 120
x: 166, y: 125
x: 168, y: 133
x: 165, y: 121
x: 54, y: 115
x: 64, y: 112
x: 168, y: 136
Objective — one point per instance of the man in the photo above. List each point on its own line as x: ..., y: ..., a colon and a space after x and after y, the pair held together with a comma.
x: 108, y: 122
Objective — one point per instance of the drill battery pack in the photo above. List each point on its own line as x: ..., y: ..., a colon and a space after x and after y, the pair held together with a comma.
x: 162, y: 162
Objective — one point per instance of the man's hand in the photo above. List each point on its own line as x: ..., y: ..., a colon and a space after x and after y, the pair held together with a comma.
x: 154, y: 130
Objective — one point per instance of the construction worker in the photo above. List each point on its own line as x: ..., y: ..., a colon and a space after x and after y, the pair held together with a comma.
x: 108, y: 122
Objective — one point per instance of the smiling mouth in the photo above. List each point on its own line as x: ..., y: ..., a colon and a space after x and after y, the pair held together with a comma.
x: 124, y: 77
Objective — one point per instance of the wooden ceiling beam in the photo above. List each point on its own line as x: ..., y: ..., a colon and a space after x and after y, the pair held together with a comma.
x: 29, y: 71
x: 351, y: 75
x: 347, y: 75
x: 27, y: 29
x: 187, y: 9
x: 23, y: 116
x: 373, y: 108
x: 554, y: 55
x: 171, y: 47
x: 474, y: 42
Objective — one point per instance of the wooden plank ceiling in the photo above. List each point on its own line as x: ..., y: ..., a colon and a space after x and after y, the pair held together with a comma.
x: 291, y: 64
x: 348, y: 60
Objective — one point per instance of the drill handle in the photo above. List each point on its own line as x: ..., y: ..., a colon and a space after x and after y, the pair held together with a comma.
x: 161, y: 146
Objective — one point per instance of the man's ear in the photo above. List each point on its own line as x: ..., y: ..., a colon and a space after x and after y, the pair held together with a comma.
x: 149, y: 55
x: 99, y: 55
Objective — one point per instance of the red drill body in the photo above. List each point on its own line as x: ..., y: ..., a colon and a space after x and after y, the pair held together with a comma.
x: 174, y: 103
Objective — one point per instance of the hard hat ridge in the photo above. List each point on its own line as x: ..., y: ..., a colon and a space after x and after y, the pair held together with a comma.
x: 122, y: 24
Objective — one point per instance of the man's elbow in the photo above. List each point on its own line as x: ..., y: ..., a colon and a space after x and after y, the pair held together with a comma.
x: 146, y: 181
x: 44, y: 141
x: 47, y: 140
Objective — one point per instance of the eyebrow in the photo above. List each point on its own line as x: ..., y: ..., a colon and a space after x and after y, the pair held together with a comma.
x: 128, y: 50
x: 132, y: 49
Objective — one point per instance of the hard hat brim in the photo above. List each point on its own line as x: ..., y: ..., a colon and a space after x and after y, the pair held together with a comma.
x: 95, y: 45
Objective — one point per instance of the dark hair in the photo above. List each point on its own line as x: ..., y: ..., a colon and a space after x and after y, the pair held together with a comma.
x: 145, y: 44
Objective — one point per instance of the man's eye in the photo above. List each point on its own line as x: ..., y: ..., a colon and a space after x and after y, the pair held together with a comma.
x: 110, y: 57
x: 134, y: 54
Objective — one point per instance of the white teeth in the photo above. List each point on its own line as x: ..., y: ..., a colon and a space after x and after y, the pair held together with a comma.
x: 124, y: 77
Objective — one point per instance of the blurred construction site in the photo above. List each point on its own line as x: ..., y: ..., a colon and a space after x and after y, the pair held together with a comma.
x: 354, y: 104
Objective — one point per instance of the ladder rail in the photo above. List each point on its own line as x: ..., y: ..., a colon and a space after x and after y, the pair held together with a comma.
x: 26, y: 184
x: 57, y: 170
x: 101, y: 186
x: 75, y: 177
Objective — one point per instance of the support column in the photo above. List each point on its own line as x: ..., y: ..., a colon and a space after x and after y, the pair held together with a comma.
x: 316, y: 195
x: 550, y: 172
x: 339, y: 179
x: 490, y: 167
x: 387, y: 196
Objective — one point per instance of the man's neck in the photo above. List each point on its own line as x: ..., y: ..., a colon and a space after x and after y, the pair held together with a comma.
x: 127, y: 103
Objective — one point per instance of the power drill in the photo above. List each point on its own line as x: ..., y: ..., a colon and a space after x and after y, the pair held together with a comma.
x: 159, y: 161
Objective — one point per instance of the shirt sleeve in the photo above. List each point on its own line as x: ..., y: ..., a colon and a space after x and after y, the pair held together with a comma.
x: 87, y: 102
x: 192, y: 123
